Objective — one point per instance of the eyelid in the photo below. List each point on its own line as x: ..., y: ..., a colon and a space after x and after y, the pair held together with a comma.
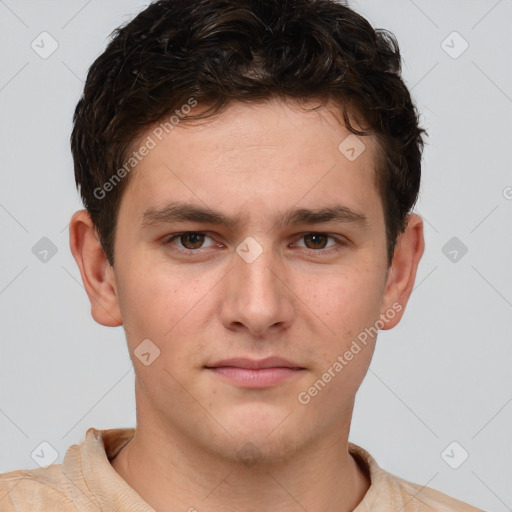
x: 167, y: 240
x: 303, y: 235
x: 340, y: 241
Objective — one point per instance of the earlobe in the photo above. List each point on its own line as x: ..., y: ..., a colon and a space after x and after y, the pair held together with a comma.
x: 402, y: 274
x: 97, y: 274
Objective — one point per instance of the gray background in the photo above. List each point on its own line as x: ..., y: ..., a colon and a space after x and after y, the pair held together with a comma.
x: 441, y: 376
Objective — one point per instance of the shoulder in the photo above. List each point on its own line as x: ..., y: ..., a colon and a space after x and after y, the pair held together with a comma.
x: 84, y: 481
x: 389, y: 492
x: 419, y: 498
x: 35, y: 489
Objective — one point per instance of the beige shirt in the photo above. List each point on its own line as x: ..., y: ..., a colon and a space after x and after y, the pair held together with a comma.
x: 86, y: 482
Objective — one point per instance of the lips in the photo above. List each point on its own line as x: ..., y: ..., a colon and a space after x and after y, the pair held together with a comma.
x: 255, y: 374
x: 254, y: 364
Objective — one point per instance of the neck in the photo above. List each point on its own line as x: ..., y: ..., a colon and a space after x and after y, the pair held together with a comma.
x: 171, y: 474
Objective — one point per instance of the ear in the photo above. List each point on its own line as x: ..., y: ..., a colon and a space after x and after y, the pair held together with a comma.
x: 402, y: 272
x: 97, y: 274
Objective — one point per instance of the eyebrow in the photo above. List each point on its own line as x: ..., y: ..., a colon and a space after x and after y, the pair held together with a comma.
x: 187, y: 212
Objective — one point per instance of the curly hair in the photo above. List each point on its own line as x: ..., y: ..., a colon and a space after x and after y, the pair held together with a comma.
x: 214, y: 52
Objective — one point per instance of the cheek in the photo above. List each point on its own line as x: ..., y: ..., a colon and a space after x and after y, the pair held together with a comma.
x: 346, y: 301
x: 348, y: 305
x: 170, y: 307
x: 154, y: 298
x: 164, y: 306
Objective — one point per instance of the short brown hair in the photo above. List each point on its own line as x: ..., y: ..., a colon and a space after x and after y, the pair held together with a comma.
x: 221, y: 51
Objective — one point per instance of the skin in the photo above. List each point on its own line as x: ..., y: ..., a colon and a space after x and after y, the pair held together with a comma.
x: 298, y: 300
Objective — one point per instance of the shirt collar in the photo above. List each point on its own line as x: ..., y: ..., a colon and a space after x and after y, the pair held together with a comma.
x: 92, y: 478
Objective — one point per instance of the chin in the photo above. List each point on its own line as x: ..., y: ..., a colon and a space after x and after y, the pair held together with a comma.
x: 261, y: 440
x: 259, y: 452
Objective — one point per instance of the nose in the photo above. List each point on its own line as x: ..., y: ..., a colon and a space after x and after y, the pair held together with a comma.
x: 256, y: 297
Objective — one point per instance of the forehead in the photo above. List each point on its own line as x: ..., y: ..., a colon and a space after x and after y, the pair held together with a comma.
x: 255, y: 158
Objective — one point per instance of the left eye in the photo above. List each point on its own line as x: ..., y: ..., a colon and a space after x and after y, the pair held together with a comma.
x: 317, y: 241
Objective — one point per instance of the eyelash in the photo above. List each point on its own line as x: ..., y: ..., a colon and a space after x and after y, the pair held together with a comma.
x: 339, y: 243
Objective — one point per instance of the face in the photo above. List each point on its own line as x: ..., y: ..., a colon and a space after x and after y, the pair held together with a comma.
x: 246, y: 237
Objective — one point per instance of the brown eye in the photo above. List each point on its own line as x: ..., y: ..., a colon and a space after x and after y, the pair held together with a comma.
x: 316, y: 240
x: 192, y: 240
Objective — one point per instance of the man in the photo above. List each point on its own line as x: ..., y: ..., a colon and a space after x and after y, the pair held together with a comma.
x: 248, y: 170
